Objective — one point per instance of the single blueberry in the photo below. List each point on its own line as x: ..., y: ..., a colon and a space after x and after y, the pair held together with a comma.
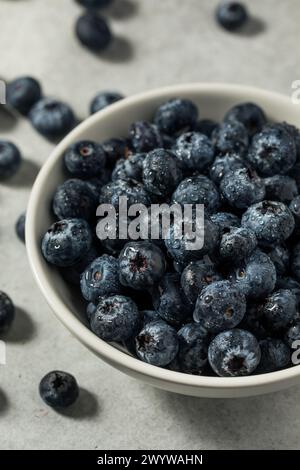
x: 161, y: 172
x: 225, y: 220
x: 280, y: 256
x: 197, y: 190
x: 193, y: 349
x: 20, y: 227
x: 223, y: 165
x: 52, y: 118
x: 279, y: 310
x: 133, y: 190
x: 22, y: 93
x: 281, y: 188
x: 85, y: 159
x: 7, y: 312
x: 230, y: 137
x: 176, y: 115
x: 231, y: 15
x: 129, y: 168
x: 291, y: 284
x: 93, y: 31
x: 250, y: 115
x: 145, y: 136
x: 10, y: 159
x: 194, y: 151
x: 237, y: 244
x: 74, y: 199
x: 275, y: 355
x: 104, y: 99
x: 292, y: 335
x: 242, y: 188
x: 100, y: 278
x: 59, y: 389
x: 196, y: 276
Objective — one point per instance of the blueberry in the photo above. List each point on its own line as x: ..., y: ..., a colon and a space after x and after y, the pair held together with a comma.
x: 52, y: 118
x: 149, y: 316
x: 290, y: 284
x: 250, y: 115
x: 295, y: 173
x: 253, y: 321
x: 242, y: 188
x: 230, y: 137
x: 10, y: 159
x: 133, y: 190
x: 271, y: 221
x: 161, y: 173
x: 176, y: 115
x: 59, y: 389
x: 94, y: 3
x: 279, y: 309
x: 7, y: 312
x: 225, y: 220
x: 115, y: 149
x: 90, y: 310
x: 295, y: 261
x: 281, y: 188
x: 104, y: 99
x: 20, y: 227
x: 141, y: 264
x: 22, y: 93
x: 113, y: 245
x: 231, y: 15
x: 223, y: 165
x: 130, y: 168
x: 97, y: 182
x: 93, y: 31
x: 145, y: 136
x: 67, y: 242
x: 205, y: 126
x: 275, y: 355
x: 169, y: 300
x: 115, y: 318
x: 280, y: 256
x: 194, y: 151
x: 196, y: 276
x: 295, y: 210
x: 74, y: 199
x: 234, y: 353
x: 157, y: 343
x: 292, y: 335
x: 294, y: 133
x: 100, y: 278
x: 193, y: 350
x: 237, y: 244
x: 85, y: 159
x: 72, y: 273
x: 256, y: 277
x: 197, y: 190
x: 272, y: 151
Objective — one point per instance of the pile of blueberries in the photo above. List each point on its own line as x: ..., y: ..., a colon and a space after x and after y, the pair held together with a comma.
x: 227, y: 309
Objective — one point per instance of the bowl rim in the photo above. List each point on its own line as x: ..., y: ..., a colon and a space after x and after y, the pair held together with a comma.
x: 106, y: 350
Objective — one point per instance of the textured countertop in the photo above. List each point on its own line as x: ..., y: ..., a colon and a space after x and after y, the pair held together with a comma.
x: 158, y: 43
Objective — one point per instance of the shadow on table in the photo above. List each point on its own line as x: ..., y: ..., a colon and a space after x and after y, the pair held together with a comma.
x: 4, y: 403
x: 120, y: 50
x: 123, y: 9
x: 253, y: 27
x: 25, y: 176
x: 22, y: 329
x: 86, y: 406
x: 7, y: 119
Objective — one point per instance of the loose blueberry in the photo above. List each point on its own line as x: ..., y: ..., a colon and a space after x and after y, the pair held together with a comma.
x: 104, y: 99
x: 161, y: 173
x: 100, y: 278
x: 59, y: 389
x: 230, y: 137
x: 10, y: 159
x: 176, y: 115
x: 52, y: 118
x: 237, y: 244
x: 74, y: 199
x: 22, y: 93
x: 193, y: 350
x: 231, y: 15
x: 7, y: 312
x: 242, y: 188
x: 20, y: 227
x: 275, y: 355
x: 93, y: 32
x: 250, y: 115
x: 194, y: 151
x: 196, y: 276
x: 197, y: 190
x: 85, y: 159
x: 145, y: 136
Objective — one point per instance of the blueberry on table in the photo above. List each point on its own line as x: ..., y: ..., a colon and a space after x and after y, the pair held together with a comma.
x: 100, y: 278
x: 67, y: 242
x: 94, y: 3
x: 20, y: 227
x: 133, y: 190
x: 59, y: 389
x: 225, y: 164
x: 7, y: 312
x: 196, y: 276
x: 294, y: 207
x: 194, y: 151
x: 176, y: 115
x: 281, y: 188
x: 279, y: 310
x: 231, y: 15
x: 230, y: 137
x: 242, y: 188
x: 116, y: 318
x: 234, y: 353
x: 250, y: 115
x: 237, y: 244
x: 141, y: 264
x: 220, y: 306
x: 104, y: 99
x: 157, y: 343
x: 74, y: 199
x: 193, y: 349
x: 52, y: 118
x: 22, y: 93
x: 85, y: 159
x: 93, y: 32
x: 197, y: 190
x: 130, y: 168
x: 10, y: 159
x: 275, y: 355
x: 161, y: 172
x: 145, y: 136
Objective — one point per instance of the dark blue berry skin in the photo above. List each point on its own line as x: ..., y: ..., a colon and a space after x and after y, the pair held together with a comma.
x: 157, y: 343
x: 85, y: 159
x: 96, y: 183
x: 230, y: 137
x: 220, y: 306
x: 113, y: 245
x: 290, y: 284
x: 280, y: 256
x: 197, y: 190
x: 294, y: 207
x: 129, y: 168
x: 161, y: 172
x: 253, y: 321
x: 242, y: 188
x: 275, y: 355
x: 178, y: 247
x: 256, y: 277
x: 196, y: 276
x: 149, y: 316
x: 295, y: 262
x: 292, y: 335
x: 7, y: 312
x: 74, y: 199
x: 294, y: 133
x: 231, y: 15
x: 100, y: 278
x: 72, y: 273
x: 141, y: 265
x: 145, y: 137
x: 234, y: 353
x: 176, y: 115
x: 104, y: 99
x: 250, y: 115
x: 281, y: 188
x: 93, y: 32
x: 59, y: 389
x: 22, y: 93
x: 271, y: 221
x: 90, y: 310
x: 193, y: 349
x: 170, y: 302
x: 20, y: 227
x: 194, y: 151
x: 272, y: 151
x: 205, y: 126
x: 279, y: 310
x: 225, y: 220
x: 94, y: 3
x: 67, y: 242
x: 237, y: 244
x: 223, y: 165
x: 10, y: 159
x: 52, y: 118
x: 116, y: 318
x: 133, y: 190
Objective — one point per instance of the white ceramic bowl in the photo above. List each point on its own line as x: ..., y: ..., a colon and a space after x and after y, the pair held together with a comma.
x: 213, y: 101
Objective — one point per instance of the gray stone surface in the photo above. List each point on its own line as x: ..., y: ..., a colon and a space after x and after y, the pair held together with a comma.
x: 160, y: 42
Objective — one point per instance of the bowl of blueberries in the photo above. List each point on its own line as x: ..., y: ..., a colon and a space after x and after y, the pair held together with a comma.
x: 221, y: 320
